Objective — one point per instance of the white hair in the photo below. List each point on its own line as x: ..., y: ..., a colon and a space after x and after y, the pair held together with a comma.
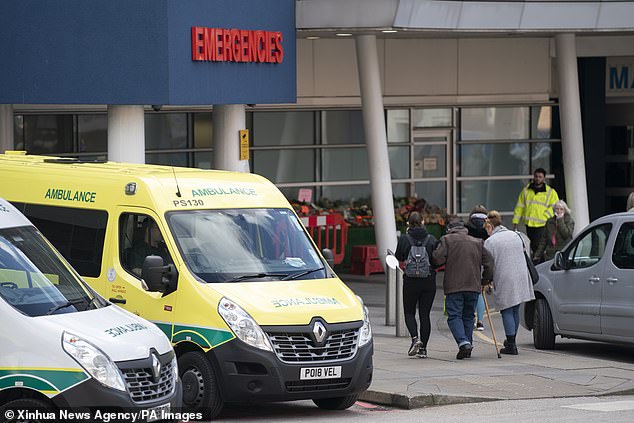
x: 563, y: 204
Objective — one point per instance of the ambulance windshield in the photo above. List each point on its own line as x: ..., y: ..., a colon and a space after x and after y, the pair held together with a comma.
x: 245, y: 245
x: 34, y: 280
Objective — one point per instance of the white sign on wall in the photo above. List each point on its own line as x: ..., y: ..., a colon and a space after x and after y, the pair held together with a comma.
x: 619, y: 77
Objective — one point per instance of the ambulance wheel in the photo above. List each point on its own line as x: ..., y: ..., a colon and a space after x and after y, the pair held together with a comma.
x: 200, y: 385
x: 338, y: 403
x: 11, y: 409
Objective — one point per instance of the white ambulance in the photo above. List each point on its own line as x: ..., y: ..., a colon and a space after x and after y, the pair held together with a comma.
x: 63, y: 347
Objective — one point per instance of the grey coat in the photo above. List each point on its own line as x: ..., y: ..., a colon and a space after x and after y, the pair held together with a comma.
x: 510, y: 274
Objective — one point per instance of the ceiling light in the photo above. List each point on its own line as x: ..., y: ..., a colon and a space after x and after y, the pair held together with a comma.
x: 344, y: 34
x: 389, y: 31
x: 312, y: 37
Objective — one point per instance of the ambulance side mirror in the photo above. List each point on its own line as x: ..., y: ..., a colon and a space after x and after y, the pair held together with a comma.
x: 157, y: 276
x: 329, y: 256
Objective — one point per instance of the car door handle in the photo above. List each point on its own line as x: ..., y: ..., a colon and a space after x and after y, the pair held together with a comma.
x: 594, y: 279
x: 117, y: 300
x: 612, y: 281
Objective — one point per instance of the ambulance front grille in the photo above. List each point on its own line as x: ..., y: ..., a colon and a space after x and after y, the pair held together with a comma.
x: 300, y: 348
x: 143, y: 387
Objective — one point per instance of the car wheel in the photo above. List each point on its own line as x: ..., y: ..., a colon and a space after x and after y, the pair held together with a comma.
x: 543, y: 329
x: 338, y: 403
x: 9, y: 410
x: 200, y: 385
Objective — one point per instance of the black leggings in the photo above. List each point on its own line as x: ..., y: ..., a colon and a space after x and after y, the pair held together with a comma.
x: 418, y: 292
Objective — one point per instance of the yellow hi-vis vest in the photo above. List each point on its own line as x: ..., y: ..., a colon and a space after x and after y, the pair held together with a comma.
x: 533, y: 208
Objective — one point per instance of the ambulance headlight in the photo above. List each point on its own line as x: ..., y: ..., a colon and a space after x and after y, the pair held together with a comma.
x: 243, y: 325
x: 93, y: 360
x: 174, y: 369
x: 365, y: 333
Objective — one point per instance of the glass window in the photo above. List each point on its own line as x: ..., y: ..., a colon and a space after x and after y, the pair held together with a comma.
x: 139, y: 237
x: 398, y: 128
x: 92, y: 133
x: 204, y: 160
x: 541, y: 155
x: 345, y: 164
x: 541, y: 122
x: 167, y: 159
x: 428, y: 118
x: 495, y: 195
x: 349, y: 194
x: 245, y: 245
x: 46, y: 134
x: 288, y: 165
x: 77, y: 234
x: 588, y: 249
x: 434, y: 194
x: 494, y: 159
x: 203, y: 130
x: 623, y: 254
x: 494, y: 123
x: 400, y: 190
x: 342, y: 127
x: 283, y: 128
x: 35, y: 280
x: 165, y: 131
x: 430, y: 161
x: 399, y: 162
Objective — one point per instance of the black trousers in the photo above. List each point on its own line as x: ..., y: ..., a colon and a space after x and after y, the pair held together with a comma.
x: 535, y: 234
x: 418, y: 293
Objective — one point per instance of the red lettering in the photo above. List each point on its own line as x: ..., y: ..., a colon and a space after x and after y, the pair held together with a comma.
x: 278, y: 47
x: 226, y: 37
x: 261, y: 46
x: 269, y: 47
x: 244, y: 46
x: 210, y: 44
x: 197, y: 43
x: 253, y: 46
x: 235, y: 43
x: 220, y: 45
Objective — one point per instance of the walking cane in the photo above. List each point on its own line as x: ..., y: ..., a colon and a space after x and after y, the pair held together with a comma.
x: 486, y: 306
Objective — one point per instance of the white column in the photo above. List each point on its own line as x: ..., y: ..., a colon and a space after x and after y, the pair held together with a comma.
x: 376, y: 141
x: 228, y: 120
x: 571, y: 131
x: 126, y: 134
x: 6, y: 127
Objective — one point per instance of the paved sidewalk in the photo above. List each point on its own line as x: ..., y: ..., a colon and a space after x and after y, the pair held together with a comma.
x: 574, y: 368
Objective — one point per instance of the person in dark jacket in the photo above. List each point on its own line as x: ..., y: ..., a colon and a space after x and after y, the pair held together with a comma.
x: 476, y: 229
x: 417, y: 291
x: 468, y: 266
x: 558, y: 233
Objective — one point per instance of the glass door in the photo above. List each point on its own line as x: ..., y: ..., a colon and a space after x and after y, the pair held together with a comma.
x: 431, y: 167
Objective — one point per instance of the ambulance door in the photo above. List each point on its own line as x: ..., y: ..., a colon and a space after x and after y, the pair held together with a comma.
x: 139, y: 234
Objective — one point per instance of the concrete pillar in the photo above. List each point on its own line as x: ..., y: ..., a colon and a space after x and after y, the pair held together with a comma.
x: 571, y: 131
x: 228, y: 120
x: 6, y: 127
x: 126, y: 134
x: 376, y: 141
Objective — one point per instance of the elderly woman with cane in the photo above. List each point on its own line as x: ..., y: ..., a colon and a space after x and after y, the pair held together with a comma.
x: 511, y: 287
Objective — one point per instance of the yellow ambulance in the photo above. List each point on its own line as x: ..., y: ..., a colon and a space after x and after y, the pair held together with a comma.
x: 219, y: 261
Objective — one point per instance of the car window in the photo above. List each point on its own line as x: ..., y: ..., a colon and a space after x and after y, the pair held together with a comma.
x: 588, y: 249
x: 623, y: 254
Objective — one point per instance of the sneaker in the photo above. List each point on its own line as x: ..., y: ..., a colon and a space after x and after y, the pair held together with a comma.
x: 464, y: 352
x: 479, y: 326
x: 416, y: 345
x: 422, y: 353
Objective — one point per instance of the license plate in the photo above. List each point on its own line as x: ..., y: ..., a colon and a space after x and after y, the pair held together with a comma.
x: 331, y: 372
x: 156, y: 413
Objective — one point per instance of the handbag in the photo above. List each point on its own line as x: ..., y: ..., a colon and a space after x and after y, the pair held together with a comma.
x: 532, y: 270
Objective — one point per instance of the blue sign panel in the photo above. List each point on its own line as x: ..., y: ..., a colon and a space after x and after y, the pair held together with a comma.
x: 144, y: 52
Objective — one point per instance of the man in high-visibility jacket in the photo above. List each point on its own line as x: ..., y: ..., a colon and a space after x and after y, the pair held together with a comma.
x: 534, y: 207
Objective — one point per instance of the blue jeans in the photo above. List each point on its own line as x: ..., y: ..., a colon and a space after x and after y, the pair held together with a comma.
x: 480, y: 308
x: 460, y: 309
x: 511, y: 320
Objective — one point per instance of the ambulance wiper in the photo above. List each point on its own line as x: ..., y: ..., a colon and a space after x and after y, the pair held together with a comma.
x: 64, y: 305
x: 258, y: 276
x: 300, y: 274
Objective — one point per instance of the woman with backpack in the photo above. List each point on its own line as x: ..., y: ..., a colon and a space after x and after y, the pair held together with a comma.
x: 414, y: 251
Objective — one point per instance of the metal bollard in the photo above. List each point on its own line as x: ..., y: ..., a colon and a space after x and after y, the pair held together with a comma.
x: 401, y: 328
x: 390, y: 296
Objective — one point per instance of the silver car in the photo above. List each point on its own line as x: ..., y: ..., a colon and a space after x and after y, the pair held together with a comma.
x: 587, y: 290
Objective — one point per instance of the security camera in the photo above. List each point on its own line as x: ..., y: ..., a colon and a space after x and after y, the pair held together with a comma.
x: 156, y: 107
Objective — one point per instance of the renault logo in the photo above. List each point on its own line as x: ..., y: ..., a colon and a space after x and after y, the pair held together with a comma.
x: 156, y: 367
x: 319, y: 331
